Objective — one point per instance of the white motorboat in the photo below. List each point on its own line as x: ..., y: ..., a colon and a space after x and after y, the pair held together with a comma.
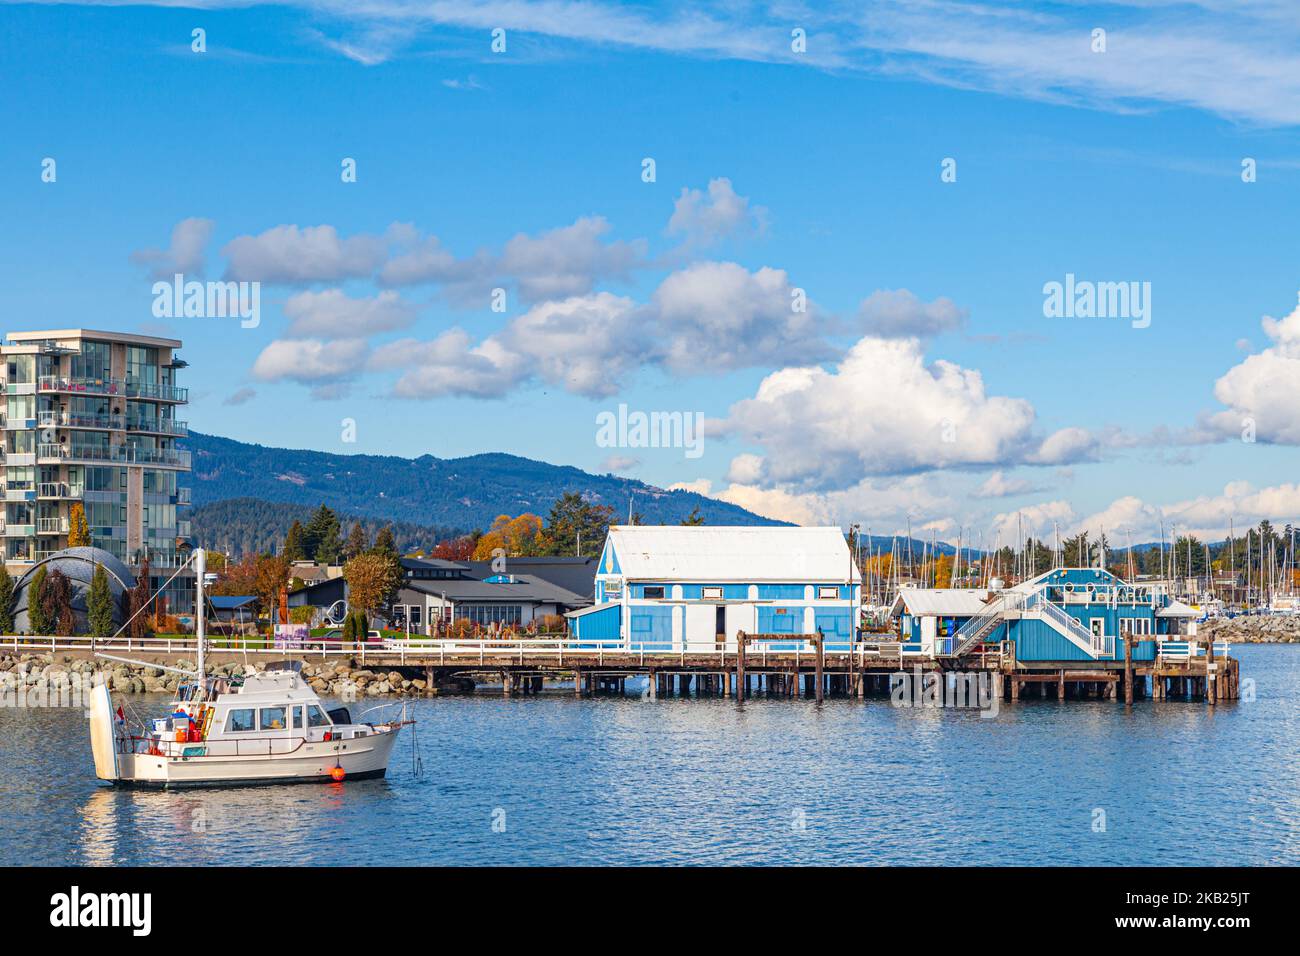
x: 264, y: 728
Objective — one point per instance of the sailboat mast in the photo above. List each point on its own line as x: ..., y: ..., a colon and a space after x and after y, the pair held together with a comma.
x: 200, y: 609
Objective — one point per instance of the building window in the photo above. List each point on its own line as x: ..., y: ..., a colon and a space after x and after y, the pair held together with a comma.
x: 413, y: 614
x: 653, y: 591
x: 712, y: 594
x: 828, y: 592
x: 485, y: 614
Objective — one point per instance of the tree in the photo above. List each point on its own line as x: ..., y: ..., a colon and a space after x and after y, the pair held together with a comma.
x: 357, y: 543
x: 99, y: 604
x: 56, y: 603
x: 575, y: 526
x: 270, y: 580
x: 454, y: 549
x: 371, y: 579
x: 6, y: 600
x: 517, y: 537
x: 138, y: 602
x: 321, y: 537
x: 293, y: 543
x: 78, y: 530
x: 37, y: 622
x: 385, y: 543
x: 694, y: 518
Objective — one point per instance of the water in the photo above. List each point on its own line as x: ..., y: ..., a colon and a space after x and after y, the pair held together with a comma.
x: 632, y: 781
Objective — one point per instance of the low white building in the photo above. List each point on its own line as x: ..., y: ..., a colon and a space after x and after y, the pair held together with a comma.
x: 690, y: 587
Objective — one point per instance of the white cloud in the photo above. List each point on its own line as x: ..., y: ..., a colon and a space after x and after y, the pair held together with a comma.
x: 618, y: 463
x: 898, y: 313
x: 331, y: 313
x: 883, y: 410
x: 998, y: 485
x: 292, y: 255
x: 185, y: 254
x: 567, y: 261
x: 240, y: 396
x: 1265, y: 387
x: 719, y: 315
x: 310, y: 361
x: 706, y: 218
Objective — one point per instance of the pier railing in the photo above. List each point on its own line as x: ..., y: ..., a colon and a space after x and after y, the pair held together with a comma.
x: 486, y: 652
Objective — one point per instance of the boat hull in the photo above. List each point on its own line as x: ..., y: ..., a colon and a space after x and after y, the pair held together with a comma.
x: 360, y: 759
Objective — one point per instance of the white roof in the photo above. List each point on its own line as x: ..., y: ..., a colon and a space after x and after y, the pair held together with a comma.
x: 1178, y: 609
x: 942, y: 602
x: 705, y: 553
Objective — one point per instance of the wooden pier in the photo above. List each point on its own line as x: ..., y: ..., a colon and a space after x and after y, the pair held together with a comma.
x: 752, y: 665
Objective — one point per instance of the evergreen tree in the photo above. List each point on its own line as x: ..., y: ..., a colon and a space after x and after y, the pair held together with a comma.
x: 349, y: 629
x: 321, y: 537
x: 37, y: 622
x: 694, y: 518
x: 99, y: 604
x: 6, y: 600
x: 576, y: 526
x: 56, y: 603
x: 293, y: 546
x: 357, y: 543
x: 385, y: 544
x: 139, y: 600
x: 78, y: 530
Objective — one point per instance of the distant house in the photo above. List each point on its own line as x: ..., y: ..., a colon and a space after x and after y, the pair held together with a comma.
x: 233, y: 609
x: 688, y: 587
x: 575, y: 574
x: 322, y: 595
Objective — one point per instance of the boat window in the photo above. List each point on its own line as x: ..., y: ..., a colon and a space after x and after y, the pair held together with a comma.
x: 240, y: 720
x: 316, y: 717
x: 273, y: 718
x: 296, y: 715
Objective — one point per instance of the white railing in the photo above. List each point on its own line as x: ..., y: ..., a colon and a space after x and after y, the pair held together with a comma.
x: 985, y: 621
x: 1185, y: 650
x: 1098, y: 645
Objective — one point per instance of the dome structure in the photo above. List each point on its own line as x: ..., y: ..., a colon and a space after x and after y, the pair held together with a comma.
x: 78, y: 566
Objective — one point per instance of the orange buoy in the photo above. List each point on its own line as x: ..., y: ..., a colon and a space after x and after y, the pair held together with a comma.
x: 337, y: 774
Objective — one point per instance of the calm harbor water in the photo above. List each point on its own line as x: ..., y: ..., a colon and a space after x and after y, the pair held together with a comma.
x: 553, y: 780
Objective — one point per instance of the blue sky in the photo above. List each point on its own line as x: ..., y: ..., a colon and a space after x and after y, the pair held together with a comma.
x: 776, y: 170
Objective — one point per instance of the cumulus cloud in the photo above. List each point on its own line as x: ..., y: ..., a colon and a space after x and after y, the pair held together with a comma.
x: 310, y: 361
x: 898, y: 313
x: 185, y: 253
x: 557, y: 263
x: 704, y: 218
x: 1262, y: 393
x: 331, y: 313
x: 883, y: 410
x: 999, y: 485
x: 710, y: 316
x: 291, y: 255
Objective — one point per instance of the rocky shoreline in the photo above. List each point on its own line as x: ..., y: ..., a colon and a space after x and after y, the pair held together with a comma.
x: 1253, y: 629
x: 329, y: 680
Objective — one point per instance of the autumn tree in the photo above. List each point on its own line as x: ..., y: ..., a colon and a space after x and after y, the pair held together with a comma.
x: 37, y: 622
x: 270, y: 579
x: 78, y: 530
x: 99, y: 604
x: 517, y: 537
x: 138, y: 602
x: 454, y: 549
x: 371, y: 580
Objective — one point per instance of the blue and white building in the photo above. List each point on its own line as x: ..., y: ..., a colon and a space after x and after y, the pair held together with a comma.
x: 1067, y: 614
x: 687, y: 588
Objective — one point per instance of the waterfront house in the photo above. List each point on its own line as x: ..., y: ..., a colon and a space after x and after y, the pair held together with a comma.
x: 1067, y: 614
x: 689, y: 587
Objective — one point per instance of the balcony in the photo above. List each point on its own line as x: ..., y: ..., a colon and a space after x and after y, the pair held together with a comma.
x: 161, y: 393
x: 159, y: 426
x: 114, y: 454
x: 56, y: 490
x: 17, y: 424
x: 81, y: 386
x: 19, y: 530
x: 51, y: 525
x: 19, y: 492
x: 183, y: 529
x: 51, y: 419
x: 182, y: 496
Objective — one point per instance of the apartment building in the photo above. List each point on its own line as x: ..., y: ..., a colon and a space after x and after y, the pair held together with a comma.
x: 90, y: 417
